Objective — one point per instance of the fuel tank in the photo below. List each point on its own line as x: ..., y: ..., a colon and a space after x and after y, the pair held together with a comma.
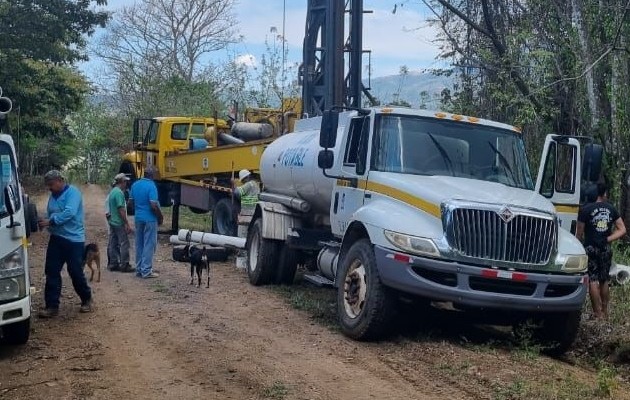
x: 289, y: 167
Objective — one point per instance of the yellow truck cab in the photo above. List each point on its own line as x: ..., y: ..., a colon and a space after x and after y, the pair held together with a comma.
x: 195, y: 160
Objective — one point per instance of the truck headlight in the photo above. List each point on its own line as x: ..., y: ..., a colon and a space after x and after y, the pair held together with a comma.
x: 12, y: 288
x: 12, y: 264
x: 573, y: 262
x: 413, y: 244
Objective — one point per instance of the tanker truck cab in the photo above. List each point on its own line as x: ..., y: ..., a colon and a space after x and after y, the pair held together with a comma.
x: 444, y: 207
x: 15, y: 301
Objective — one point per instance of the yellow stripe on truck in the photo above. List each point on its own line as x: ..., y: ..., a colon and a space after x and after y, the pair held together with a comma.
x: 405, y: 197
x: 569, y: 209
x: 399, y: 195
x: 424, y: 205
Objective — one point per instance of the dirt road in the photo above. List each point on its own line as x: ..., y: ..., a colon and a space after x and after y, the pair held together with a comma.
x: 164, y: 339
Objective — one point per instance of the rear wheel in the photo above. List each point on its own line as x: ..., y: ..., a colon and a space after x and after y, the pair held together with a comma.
x: 17, y: 333
x: 365, y: 307
x: 261, y: 255
x: 224, y: 218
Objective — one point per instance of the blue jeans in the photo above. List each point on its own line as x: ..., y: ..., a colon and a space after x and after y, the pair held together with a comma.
x: 146, y: 242
x: 61, y: 251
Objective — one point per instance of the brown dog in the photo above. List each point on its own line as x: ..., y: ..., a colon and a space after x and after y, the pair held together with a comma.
x: 91, y: 255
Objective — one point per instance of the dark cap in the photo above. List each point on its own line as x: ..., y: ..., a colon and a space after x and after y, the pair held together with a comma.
x: 54, y: 175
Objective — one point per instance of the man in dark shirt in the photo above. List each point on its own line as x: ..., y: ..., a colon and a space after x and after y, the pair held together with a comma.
x: 595, y: 229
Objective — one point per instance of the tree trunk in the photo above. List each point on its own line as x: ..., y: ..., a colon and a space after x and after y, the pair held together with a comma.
x: 580, y: 25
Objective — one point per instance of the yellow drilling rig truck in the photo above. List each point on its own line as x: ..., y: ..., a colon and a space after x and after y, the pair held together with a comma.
x: 195, y: 159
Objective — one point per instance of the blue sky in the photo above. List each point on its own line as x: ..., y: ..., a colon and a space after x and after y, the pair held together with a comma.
x: 396, y: 39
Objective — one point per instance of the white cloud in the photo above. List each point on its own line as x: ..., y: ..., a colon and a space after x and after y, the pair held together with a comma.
x: 248, y: 60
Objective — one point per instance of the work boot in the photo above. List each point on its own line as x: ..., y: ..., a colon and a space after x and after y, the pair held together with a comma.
x: 113, y: 268
x: 127, y: 268
x: 48, y: 313
x: 86, y: 306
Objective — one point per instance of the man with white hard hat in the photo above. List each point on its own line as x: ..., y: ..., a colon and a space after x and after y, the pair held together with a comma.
x: 248, y: 192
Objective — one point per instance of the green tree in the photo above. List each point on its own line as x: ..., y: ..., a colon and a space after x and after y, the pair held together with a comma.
x: 548, y: 66
x: 157, y: 55
x: 43, y: 95
x: 100, y: 137
x: 48, y: 30
x: 41, y: 40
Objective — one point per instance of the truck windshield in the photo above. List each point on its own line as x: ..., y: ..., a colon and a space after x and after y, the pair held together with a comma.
x: 8, y: 175
x: 424, y: 146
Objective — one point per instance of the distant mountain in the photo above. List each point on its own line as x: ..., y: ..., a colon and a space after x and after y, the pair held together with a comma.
x: 414, y: 88
x: 408, y: 87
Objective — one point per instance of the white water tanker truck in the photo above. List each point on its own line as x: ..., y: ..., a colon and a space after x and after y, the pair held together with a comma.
x: 390, y: 202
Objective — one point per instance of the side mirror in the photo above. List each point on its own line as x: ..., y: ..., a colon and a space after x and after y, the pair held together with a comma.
x: 592, y: 163
x: 325, y: 159
x: 10, y: 199
x: 136, y: 131
x: 328, y: 131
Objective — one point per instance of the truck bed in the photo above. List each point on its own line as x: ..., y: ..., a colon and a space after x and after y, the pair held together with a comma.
x: 213, y: 161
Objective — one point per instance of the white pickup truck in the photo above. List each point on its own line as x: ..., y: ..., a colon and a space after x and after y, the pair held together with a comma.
x: 17, y: 218
x: 427, y: 204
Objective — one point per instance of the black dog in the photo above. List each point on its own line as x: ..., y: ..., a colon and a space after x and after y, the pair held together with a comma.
x: 198, y: 262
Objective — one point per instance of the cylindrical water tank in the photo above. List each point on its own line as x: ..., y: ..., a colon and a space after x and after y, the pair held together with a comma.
x: 252, y: 130
x: 289, y: 167
x: 224, y: 138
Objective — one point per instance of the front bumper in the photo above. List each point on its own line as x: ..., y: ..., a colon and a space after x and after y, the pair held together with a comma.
x: 15, y: 311
x: 477, y: 286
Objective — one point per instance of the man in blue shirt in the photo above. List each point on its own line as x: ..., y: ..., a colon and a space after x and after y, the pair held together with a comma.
x: 147, y: 216
x: 66, y: 244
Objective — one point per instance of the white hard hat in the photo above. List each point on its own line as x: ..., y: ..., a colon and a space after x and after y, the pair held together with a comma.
x: 243, y: 174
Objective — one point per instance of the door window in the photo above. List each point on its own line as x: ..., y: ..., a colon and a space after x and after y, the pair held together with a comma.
x: 547, y: 185
x: 179, y: 131
x: 152, y: 132
x: 565, y: 168
x: 352, y: 146
x: 8, y: 177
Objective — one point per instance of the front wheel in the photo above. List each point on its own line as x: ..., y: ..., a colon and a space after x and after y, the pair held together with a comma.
x: 554, y: 332
x: 17, y: 333
x: 364, y: 305
x: 559, y: 330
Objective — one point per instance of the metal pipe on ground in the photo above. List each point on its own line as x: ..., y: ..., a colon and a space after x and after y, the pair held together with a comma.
x: 174, y: 239
x: 211, y: 239
x: 620, y: 274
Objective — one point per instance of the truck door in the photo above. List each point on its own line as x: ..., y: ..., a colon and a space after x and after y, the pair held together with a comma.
x: 348, y: 192
x: 144, y: 139
x: 559, y: 178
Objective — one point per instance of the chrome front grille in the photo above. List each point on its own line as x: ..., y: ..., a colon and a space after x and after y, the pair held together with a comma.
x: 501, y: 235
